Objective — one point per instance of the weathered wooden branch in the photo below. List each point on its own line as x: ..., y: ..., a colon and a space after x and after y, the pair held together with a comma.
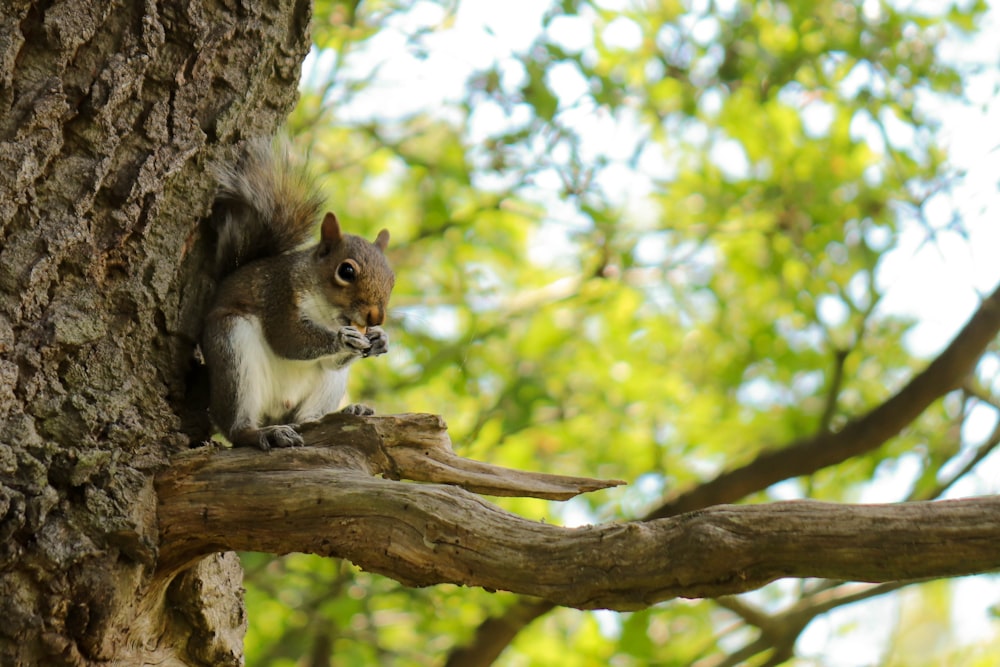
x: 345, y: 500
x: 416, y: 447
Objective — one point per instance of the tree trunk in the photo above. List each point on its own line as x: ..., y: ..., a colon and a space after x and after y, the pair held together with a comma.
x: 112, y: 113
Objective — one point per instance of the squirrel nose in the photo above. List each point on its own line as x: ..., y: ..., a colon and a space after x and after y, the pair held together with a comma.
x: 373, y: 318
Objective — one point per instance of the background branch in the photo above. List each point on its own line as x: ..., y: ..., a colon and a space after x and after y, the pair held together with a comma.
x: 942, y: 375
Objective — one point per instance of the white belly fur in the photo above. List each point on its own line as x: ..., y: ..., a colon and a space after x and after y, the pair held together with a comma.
x: 273, y: 386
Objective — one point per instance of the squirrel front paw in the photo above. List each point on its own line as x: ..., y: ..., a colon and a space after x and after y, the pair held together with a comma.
x: 352, y: 340
x: 379, y: 342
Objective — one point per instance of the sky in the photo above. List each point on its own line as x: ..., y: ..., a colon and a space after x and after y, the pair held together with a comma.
x: 938, y: 283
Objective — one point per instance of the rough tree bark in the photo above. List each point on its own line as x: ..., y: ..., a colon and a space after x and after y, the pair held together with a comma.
x: 110, y: 112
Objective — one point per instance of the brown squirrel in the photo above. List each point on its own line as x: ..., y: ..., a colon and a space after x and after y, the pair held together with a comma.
x: 287, y: 321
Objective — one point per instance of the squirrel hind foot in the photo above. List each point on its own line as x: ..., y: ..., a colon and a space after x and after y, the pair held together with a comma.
x: 268, y: 437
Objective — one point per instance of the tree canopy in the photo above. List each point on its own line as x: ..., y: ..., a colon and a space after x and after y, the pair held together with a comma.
x: 651, y: 242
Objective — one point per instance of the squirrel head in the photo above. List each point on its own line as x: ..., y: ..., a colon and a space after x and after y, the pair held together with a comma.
x: 354, y: 274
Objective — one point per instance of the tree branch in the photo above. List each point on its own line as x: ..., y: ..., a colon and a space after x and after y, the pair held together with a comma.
x: 864, y: 434
x: 420, y: 450
x: 325, y: 500
x: 780, y: 632
x: 495, y: 633
x: 410, y: 446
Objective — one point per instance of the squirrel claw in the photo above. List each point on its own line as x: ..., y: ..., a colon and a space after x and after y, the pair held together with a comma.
x: 359, y: 410
x: 353, y: 339
x: 280, y: 436
x: 379, y: 342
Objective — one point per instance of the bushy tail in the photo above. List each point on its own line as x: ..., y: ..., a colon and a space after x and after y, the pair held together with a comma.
x: 266, y: 206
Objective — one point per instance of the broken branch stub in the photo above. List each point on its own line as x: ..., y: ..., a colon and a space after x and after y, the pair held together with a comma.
x: 417, y: 447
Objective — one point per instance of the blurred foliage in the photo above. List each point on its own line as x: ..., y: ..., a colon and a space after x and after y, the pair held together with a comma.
x: 645, y: 246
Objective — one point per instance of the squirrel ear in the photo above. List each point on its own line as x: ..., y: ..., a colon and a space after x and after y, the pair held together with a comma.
x: 382, y: 240
x: 330, y: 234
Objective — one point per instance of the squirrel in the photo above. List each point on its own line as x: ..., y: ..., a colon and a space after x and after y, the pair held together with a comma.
x: 287, y: 320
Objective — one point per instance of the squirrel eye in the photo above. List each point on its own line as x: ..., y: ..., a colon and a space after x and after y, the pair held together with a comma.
x: 347, y: 272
